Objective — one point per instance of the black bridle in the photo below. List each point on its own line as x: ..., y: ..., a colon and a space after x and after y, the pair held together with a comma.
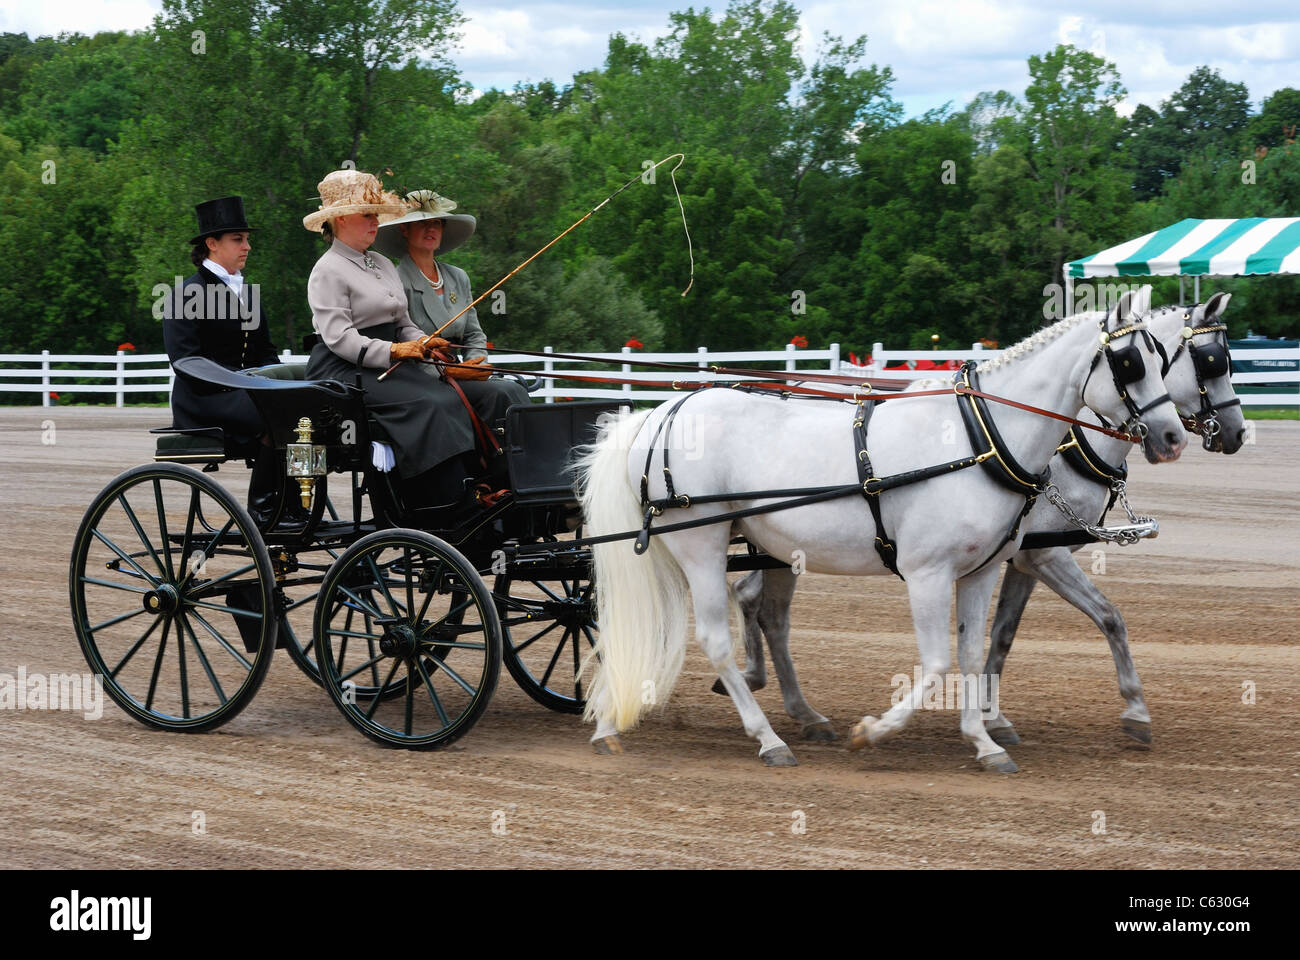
x: 1126, y: 368
x: 1210, y: 362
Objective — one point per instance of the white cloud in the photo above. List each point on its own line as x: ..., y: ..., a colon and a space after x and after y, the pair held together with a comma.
x: 939, y: 50
x: 79, y: 16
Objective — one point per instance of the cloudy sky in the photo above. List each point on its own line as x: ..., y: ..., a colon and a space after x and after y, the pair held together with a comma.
x: 940, y: 50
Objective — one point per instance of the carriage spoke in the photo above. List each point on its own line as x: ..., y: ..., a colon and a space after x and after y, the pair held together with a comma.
x: 450, y: 613
x: 208, y: 584
x: 139, y: 532
x: 220, y: 639
x: 162, y: 527
x: 207, y: 551
x: 451, y: 673
x: 435, y: 644
x: 189, y: 531
x: 153, y: 581
x: 433, y: 694
x: 433, y: 588
x: 233, y: 611
x: 383, y: 585
x: 410, y: 699
x: 134, y: 647
x: 115, y: 586
x: 157, y: 664
x: 555, y: 657
x: 537, y: 636
x: 109, y: 623
x: 370, y: 714
x: 410, y: 591
x: 546, y: 590
x: 369, y: 663
x: 203, y: 661
x: 362, y: 605
x: 185, y: 686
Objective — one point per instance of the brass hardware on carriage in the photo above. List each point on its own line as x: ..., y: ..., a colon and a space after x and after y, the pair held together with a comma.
x: 305, y: 461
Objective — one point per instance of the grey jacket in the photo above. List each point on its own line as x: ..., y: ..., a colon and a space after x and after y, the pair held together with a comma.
x: 347, y: 297
x: 430, y: 309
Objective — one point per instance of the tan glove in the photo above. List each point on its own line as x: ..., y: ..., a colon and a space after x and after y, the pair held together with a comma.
x: 432, y: 342
x: 474, y: 369
x: 408, y: 350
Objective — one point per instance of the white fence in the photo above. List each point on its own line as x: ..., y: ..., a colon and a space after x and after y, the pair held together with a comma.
x: 121, y: 374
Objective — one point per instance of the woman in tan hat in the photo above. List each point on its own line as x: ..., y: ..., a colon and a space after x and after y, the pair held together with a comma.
x: 359, y: 309
x: 436, y: 292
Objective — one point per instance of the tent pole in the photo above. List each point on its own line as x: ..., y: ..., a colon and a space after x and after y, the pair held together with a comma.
x: 1196, y: 289
x: 1182, y: 293
x: 1069, y: 291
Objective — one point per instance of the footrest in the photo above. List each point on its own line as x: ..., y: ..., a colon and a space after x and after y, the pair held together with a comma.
x: 195, y: 445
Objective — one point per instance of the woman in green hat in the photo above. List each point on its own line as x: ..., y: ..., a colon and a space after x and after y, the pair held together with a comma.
x: 437, y: 291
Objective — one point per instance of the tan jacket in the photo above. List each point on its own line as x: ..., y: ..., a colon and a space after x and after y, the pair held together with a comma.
x: 347, y: 297
x: 430, y: 310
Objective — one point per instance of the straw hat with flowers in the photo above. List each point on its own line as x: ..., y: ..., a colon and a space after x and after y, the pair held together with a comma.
x: 353, y: 191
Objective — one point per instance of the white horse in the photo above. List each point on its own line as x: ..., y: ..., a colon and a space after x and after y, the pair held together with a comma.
x: 765, y: 596
x: 951, y: 529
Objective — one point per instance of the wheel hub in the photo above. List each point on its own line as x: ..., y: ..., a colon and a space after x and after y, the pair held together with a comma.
x: 162, y: 600
x: 399, y: 640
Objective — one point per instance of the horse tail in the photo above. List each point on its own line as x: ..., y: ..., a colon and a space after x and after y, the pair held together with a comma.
x: 640, y: 600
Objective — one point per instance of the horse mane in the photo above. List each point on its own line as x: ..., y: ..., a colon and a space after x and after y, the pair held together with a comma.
x: 1035, y: 340
x: 1031, y: 343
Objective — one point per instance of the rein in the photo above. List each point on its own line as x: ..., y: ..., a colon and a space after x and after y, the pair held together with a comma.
x: 960, y: 389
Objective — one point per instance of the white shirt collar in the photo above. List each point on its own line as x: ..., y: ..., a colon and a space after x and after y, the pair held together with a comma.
x: 235, y: 281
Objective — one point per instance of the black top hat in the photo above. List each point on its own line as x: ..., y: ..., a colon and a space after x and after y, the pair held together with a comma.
x: 225, y: 215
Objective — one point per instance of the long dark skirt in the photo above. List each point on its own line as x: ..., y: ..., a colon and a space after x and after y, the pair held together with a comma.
x: 424, y: 416
x: 492, y: 397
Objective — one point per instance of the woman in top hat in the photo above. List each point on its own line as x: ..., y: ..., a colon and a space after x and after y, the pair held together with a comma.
x: 436, y: 292
x: 360, y: 311
x: 225, y: 324
x: 219, y: 316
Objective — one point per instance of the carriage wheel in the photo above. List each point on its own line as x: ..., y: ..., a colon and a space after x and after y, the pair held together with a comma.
x: 402, y: 609
x: 297, y: 628
x: 176, y: 619
x: 550, y: 629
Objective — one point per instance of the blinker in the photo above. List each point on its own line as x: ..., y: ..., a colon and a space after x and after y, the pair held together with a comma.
x: 1127, y: 364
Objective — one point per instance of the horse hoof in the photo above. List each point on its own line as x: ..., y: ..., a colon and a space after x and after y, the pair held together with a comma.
x: 718, y: 687
x: 820, y: 731
x: 1139, y: 730
x: 1004, y: 736
x: 781, y: 756
x: 607, y: 746
x: 999, y: 762
x: 859, y: 736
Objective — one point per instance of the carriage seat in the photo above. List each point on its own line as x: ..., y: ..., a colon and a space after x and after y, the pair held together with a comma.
x: 190, y: 445
x: 280, y: 371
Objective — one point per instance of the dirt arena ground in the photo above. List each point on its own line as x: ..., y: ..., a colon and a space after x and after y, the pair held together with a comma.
x: 1210, y: 605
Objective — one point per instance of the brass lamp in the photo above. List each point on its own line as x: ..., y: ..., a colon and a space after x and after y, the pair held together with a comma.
x: 305, y: 461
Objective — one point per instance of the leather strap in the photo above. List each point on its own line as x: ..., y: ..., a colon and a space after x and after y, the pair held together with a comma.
x: 886, y: 547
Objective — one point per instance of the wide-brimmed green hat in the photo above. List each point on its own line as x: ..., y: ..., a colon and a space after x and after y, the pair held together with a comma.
x: 456, y: 227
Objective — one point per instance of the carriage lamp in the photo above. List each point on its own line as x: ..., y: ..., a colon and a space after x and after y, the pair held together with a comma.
x: 305, y: 461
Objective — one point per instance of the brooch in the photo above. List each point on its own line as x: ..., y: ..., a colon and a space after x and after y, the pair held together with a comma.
x: 451, y: 297
x: 369, y: 263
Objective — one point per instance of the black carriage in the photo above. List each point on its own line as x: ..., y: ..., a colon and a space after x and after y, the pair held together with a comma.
x: 180, y: 599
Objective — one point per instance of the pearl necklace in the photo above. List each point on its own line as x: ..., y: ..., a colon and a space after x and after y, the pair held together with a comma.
x: 432, y: 284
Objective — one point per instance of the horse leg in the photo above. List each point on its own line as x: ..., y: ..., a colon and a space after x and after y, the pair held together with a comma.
x: 749, y: 594
x: 1016, y: 588
x: 930, y: 599
x: 1057, y: 569
x: 973, y: 595
x: 774, y: 619
x: 712, y: 606
x: 605, y: 740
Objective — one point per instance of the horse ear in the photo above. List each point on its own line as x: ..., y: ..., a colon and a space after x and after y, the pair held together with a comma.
x: 1141, y: 303
x: 1215, y: 306
x: 1123, y: 309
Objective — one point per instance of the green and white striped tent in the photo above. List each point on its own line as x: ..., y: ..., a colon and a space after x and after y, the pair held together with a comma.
x: 1197, y: 248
